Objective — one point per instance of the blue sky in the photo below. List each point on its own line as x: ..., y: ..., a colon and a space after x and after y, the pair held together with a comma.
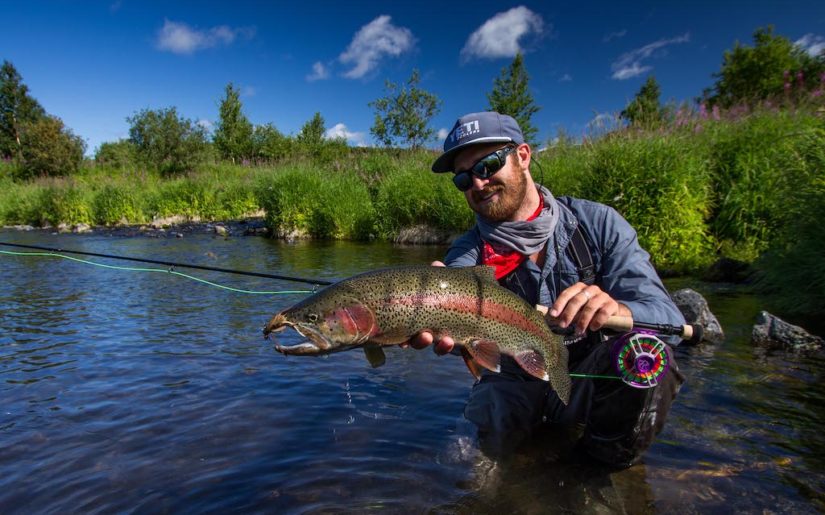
x: 95, y: 63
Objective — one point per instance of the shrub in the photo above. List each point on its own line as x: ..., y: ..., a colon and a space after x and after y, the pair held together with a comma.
x: 48, y: 148
x: 119, y: 154
x: 168, y: 142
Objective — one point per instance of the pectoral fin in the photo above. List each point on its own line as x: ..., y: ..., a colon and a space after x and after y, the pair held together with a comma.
x: 471, y: 363
x: 533, y: 363
x: 375, y: 355
x: 485, y: 353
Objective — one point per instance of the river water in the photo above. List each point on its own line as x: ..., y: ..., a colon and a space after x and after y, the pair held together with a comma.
x: 127, y: 391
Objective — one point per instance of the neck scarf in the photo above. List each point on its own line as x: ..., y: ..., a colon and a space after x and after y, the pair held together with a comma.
x: 508, y: 244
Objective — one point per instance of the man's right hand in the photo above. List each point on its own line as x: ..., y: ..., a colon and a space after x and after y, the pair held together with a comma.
x: 442, y: 345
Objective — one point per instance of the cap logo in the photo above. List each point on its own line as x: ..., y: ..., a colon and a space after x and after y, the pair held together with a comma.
x: 465, y: 129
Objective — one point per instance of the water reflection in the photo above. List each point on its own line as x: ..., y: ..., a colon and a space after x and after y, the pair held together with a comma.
x: 126, y: 391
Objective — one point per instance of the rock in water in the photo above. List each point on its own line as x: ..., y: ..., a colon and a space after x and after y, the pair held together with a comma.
x: 696, y: 311
x: 774, y: 333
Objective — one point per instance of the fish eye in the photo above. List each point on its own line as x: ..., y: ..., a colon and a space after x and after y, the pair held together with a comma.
x: 312, y: 317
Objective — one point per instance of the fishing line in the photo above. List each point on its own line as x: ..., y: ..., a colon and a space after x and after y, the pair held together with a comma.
x: 161, y: 270
x: 314, y: 282
x: 594, y: 376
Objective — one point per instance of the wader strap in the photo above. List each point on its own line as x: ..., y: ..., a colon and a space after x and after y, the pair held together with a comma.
x: 580, y: 252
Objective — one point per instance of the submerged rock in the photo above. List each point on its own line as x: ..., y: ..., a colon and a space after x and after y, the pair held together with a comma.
x: 696, y: 311
x: 773, y: 333
x: 220, y: 230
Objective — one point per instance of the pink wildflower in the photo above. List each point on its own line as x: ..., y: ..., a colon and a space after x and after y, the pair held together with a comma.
x: 800, y: 78
x: 716, y: 112
x: 786, y: 74
x: 703, y: 111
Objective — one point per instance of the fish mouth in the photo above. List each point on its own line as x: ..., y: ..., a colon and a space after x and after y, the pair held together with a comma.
x: 317, y: 344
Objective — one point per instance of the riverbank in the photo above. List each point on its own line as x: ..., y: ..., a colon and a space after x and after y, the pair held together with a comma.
x: 746, y: 188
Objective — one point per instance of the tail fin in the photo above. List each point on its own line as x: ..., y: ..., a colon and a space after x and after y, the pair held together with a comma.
x: 560, y: 377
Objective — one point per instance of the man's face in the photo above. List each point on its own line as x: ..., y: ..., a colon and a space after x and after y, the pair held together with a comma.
x: 498, y: 198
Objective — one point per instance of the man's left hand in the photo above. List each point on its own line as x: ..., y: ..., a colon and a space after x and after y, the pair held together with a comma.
x: 588, y: 307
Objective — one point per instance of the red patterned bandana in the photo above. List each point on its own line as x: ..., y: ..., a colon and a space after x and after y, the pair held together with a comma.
x: 505, y: 259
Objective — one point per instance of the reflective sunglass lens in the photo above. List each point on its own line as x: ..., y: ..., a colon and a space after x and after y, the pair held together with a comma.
x: 463, y: 181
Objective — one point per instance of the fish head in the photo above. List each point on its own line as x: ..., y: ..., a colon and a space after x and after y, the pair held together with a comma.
x: 329, y: 325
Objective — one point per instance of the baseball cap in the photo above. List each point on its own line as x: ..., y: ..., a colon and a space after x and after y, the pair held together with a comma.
x: 476, y: 128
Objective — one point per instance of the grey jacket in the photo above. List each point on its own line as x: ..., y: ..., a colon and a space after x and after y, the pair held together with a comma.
x: 622, y: 267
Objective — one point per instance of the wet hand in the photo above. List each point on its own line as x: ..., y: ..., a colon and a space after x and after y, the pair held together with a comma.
x: 441, y: 345
x: 588, y: 307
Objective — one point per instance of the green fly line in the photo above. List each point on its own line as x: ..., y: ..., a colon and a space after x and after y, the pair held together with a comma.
x: 154, y: 270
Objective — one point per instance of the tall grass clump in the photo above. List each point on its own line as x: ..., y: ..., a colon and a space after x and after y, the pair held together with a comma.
x: 756, y: 163
x: 793, y: 267
x: 302, y: 202
x: 659, y: 184
x: 63, y: 201
x: 117, y: 204
x: 19, y: 203
x: 562, y: 166
x: 412, y: 197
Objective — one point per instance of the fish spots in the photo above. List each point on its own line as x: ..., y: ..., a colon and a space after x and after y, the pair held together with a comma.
x: 485, y: 309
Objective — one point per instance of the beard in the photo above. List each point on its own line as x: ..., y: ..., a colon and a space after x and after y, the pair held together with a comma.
x: 503, y: 207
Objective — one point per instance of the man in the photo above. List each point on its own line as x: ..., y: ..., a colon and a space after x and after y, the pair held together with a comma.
x: 580, y: 258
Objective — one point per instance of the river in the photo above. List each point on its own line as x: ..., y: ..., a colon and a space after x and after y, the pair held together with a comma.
x: 129, y: 391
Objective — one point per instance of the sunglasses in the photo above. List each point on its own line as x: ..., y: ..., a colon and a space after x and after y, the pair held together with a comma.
x: 484, y: 168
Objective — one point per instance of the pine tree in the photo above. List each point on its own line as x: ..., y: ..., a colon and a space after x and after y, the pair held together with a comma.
x: 511, y: 96
x: 645, y: 110
x: 233, y: 135
x: 17, y: 108
x: 312, y: 132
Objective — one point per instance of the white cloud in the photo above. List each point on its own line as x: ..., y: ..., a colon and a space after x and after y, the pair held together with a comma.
x: 206, y: 124
x: 180, y: 38
x: 374, y: 41
x: 614, y: 35
x: 630, y: 63
x: 319, y: 72
x: 566, y: 78
x: 443, y: 133
x: 249, y: 91
x: 500, y: 36
x: 340, y: 131
x: 812, y: 44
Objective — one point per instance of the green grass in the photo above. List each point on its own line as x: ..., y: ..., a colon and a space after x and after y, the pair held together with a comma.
x: 750, y: 188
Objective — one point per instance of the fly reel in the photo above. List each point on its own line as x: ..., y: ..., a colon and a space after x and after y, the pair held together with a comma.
x: 640, y: 358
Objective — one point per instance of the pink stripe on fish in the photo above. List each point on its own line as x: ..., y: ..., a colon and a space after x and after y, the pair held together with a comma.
x: 470, y: 305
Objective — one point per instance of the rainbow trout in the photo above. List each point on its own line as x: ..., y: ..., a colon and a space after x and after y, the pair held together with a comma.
x: 390, y: 306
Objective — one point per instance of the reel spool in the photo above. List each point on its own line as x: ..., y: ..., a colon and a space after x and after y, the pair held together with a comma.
x: 640, y: 358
